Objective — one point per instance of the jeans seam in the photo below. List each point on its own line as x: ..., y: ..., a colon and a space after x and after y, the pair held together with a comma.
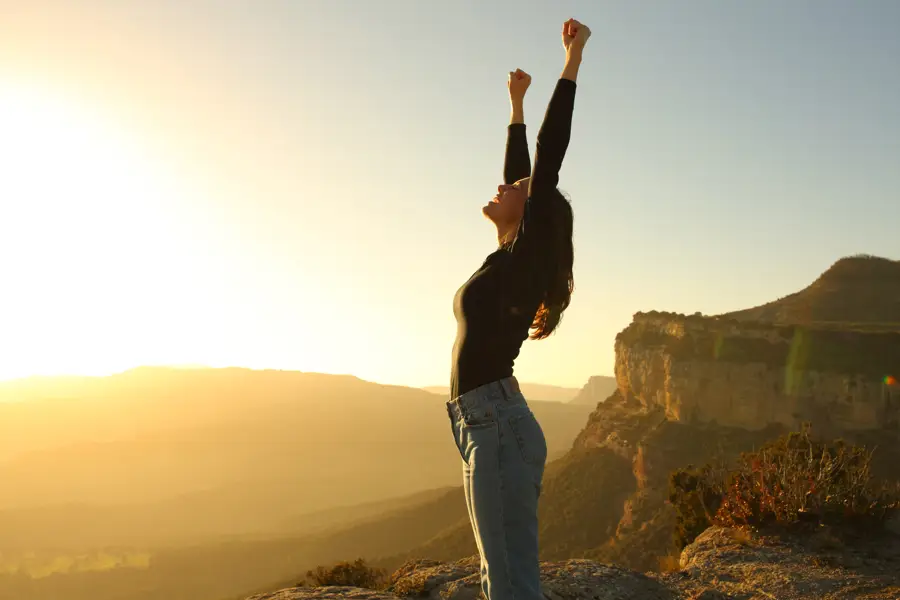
x: 502, y: 478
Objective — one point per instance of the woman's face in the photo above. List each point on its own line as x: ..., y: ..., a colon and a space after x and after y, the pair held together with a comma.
x: 507, y: 207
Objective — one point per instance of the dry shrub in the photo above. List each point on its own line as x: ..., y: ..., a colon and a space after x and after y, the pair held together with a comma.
x: 355, y: 574
x: 696, y: 495
x: 792, y: 479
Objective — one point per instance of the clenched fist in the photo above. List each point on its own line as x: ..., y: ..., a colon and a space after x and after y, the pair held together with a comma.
x: 574, y: 35
x: 518, y: 83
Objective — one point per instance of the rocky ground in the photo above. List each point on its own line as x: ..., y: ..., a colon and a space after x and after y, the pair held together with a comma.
x: 722, y: 564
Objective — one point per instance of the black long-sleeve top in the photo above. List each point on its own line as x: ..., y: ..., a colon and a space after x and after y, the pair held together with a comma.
x: 496, y: 307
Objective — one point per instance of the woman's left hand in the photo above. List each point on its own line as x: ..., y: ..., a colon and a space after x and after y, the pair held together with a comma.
x: 518, y: 84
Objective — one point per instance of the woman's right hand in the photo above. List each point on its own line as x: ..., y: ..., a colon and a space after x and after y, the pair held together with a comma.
x: 518, y: 84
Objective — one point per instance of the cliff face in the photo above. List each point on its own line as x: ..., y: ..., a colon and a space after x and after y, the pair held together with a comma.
x: 694, y: 389
x: 700, y: 369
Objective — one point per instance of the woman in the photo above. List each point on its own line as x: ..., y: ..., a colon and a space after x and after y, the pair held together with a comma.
x: 525, y: 284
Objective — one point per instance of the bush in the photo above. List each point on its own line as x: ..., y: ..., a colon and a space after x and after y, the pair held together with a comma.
x: 696, y: 495
x: 793, y: 479
x: 355, y: 574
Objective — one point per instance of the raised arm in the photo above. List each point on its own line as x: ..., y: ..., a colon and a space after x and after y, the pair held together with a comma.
x: 517, y: 163
x: 553, y: 137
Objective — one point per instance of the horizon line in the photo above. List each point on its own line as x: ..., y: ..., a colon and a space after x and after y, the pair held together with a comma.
x: 205, y: 367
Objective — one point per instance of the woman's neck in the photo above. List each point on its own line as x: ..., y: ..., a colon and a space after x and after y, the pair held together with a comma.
x: 506, y: 234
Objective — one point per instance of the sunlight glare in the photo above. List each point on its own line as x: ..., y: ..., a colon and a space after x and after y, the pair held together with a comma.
x: 85, y: 237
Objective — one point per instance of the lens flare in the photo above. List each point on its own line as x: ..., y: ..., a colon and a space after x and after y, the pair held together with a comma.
x: 796, y: 362
x: 890, y: 380
x: 717, y: 347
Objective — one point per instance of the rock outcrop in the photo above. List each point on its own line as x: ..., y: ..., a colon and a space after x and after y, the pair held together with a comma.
x: 653, y: 446
x: 693, y: 390
x: 828, y: 354
x: 720, y: 564
x: 752, y: 375
x: 726, y: 563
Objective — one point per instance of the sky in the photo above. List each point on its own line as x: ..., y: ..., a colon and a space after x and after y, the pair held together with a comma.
x: 298, y: 185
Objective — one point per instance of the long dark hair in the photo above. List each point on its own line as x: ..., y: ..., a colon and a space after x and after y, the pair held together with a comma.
x: 558, y: 265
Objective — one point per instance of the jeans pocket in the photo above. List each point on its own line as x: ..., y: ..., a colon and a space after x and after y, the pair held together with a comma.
x: 454, y: 429
x: 530, y: 438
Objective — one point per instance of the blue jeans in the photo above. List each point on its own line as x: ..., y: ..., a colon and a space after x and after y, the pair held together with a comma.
x: 503, y: 450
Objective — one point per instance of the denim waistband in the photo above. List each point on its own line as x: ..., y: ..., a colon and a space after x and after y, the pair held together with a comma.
x: 502, y: 391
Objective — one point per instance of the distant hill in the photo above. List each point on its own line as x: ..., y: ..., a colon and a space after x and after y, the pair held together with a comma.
x: 160, y: 456
x: 531, y: 391
x: 861, y: 291
x: 597, y: 389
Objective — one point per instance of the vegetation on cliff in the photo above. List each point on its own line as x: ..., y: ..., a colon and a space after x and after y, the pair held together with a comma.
x: 791, y: 480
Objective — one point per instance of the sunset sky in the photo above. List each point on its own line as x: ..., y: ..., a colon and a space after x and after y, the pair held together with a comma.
x: 298, y: 184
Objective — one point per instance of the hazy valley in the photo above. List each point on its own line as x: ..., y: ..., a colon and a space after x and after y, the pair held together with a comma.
x: 114, y: 472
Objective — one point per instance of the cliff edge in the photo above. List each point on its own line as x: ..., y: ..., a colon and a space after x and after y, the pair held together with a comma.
x: 720, y: 564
